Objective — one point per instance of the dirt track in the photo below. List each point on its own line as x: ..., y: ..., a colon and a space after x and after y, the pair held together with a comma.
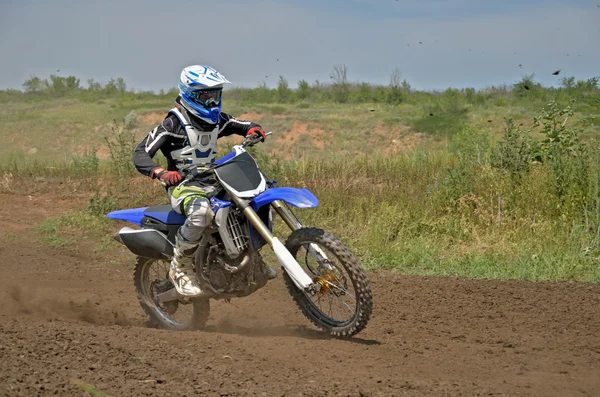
x: 68, y: 317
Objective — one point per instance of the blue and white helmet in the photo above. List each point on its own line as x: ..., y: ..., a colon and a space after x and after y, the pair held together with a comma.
x: 200, y: 88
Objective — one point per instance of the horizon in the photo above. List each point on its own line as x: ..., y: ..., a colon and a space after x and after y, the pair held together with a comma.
x: 84, y: 85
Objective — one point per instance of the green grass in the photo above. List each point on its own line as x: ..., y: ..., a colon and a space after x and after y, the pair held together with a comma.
x: 89, y: 389
x: 65, y: 231
x: 403, y: 213
x: 10, y: 235
x: 464, y: 200
x: 444, y: 124
x: 50, y: 129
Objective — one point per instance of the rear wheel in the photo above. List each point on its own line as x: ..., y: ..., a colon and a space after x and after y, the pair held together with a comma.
x: 151, y: 278
x: 344, y: 303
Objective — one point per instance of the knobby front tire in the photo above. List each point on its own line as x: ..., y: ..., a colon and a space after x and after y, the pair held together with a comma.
x: 340, y: 257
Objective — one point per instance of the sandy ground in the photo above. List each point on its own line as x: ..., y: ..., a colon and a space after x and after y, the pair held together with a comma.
x: 70, y: 317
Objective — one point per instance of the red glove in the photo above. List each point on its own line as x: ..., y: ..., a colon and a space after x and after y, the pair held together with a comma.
x: 167, y: 178
x: 257, y: 131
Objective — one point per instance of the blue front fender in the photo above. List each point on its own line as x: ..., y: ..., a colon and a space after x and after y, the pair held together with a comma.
x: 301, y: 198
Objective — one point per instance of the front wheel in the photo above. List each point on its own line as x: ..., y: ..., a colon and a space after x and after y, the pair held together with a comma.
x: 344, y: 302
x: 151, y: 278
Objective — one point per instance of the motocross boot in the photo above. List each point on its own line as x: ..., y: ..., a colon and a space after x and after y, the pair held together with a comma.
x: 182, y: 272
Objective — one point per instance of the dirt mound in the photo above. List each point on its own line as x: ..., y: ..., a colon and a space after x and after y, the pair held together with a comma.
x: 70, y: 321
x: 152, y: 119
x: 255, y: 117
x: 300, y: 129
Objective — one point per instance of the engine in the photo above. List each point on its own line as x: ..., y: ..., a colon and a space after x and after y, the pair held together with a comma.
x: 228, y: 266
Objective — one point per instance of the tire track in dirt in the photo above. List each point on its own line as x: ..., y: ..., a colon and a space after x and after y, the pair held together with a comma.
x: 69, y: 317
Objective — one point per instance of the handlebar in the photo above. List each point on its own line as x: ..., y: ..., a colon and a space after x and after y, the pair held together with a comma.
x: 252, y: 142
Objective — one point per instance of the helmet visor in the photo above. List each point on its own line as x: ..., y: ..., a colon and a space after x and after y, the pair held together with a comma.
x: 206, y: 97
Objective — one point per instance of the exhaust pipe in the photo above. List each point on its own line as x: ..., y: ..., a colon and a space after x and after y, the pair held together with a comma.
x: 117, y: 237
x: 148, y: 243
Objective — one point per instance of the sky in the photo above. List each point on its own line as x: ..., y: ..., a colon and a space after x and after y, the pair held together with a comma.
x: 435, y: 44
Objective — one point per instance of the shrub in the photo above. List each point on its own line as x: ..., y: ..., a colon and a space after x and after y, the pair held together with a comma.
x: 395, y: 94
x: 565, y: 153
x: 284, y: 94
x: 364, y: 93
x: 33, y: 85
x: 516, y: 150
x: 303, y: 90
x: 341, y: 88
x: 131, y: 121
x: 527, y: 86
x: 262, y: 94
x: 87, y: 164
x: 567, y: 83
x: 472, y: 145
x: 101, y: 204
x: 121, y: 144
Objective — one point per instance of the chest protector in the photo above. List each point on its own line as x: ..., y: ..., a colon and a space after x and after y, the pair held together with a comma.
x: 201, y: 146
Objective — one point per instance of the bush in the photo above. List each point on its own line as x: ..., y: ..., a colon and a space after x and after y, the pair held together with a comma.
x: 87, y: 164
x: 472, y: 145
x: 565, y: 153
x: 395, y: 94
x: 340, y: 87
x: 527, y: 86
x: 284, y: 94
x: 33, y: 85
x: 516, y: 150
x: 101, y: 204
x: 121, y: 144
x: 303, y: 90
x: 131, y: 121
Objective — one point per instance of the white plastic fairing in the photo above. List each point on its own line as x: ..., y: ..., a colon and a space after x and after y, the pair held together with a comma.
x: 291, y: 266
x: 248, y: 193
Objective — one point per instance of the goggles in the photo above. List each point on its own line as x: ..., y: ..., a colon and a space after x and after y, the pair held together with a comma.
x: 206, y: 97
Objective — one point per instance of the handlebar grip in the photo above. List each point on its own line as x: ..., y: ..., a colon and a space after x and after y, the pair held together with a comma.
x: 252, y: 142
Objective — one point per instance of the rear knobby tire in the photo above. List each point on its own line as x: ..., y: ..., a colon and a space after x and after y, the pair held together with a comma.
x: 201, y: 306
x: 358, y: 278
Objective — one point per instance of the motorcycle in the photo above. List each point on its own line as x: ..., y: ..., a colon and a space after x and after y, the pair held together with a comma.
x: 322, y: 275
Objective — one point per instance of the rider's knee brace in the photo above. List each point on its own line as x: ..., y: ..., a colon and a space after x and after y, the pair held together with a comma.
x: 199, y: 216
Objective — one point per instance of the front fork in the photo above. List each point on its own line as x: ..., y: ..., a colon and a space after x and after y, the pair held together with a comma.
x: 291, y: 266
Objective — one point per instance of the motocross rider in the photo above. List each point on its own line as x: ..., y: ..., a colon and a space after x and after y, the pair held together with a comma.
x: 188, y: 135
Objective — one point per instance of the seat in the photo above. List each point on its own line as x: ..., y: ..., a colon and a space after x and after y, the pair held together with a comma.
x: 165, y: 214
